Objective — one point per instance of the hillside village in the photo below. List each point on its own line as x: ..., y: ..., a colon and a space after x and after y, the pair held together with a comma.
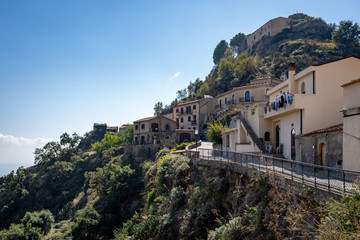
x: 281, y: 162
x: 309, y: 116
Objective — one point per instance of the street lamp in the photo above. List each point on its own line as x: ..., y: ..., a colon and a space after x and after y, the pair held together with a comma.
x: 196, y: 134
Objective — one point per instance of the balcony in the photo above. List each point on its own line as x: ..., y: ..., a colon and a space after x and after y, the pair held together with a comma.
x: 184, y: 112
x: 298, y: 101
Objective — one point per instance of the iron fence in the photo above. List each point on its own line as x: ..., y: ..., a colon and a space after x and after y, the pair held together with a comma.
x: 325, y: 178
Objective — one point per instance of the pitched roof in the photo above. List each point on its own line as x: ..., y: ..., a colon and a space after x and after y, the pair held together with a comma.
x: 351, y: 82
x: 336, y: 60
x: 334, y: 128
x: 151, y: 118
x: 145, y: 119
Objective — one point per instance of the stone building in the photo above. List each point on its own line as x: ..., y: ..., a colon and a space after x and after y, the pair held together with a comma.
x: 271, y: 28
x: 321, y: 147
x: 157, y: 130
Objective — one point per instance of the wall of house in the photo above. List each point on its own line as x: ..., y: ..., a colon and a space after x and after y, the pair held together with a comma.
x: 308, y: 149
x: 351, y: 143
x: 351, y: 132
x: 286, y: 123
x: 324, y: 110
x: 186, y: 124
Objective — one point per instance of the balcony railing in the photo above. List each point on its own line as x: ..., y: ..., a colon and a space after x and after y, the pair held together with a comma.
x: 184, y: 112
x: 325, y: 178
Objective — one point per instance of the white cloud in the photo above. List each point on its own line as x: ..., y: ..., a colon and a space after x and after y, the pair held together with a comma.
x: 175, y: 76
x: 18, y: 151
x: 9, y: 140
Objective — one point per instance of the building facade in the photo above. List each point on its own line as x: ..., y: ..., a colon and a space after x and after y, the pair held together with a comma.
x: 351, y: 118
x: 271, y: 28
x: 193, y: 115
x: 157, y: 130
x: 308, y: 101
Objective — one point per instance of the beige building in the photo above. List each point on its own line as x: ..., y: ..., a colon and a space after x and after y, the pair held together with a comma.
x: 247, y: 95
x: 308, y: 101
x: 271, y: 28
x: 250, y: 132
x: 351, y: 118
x: 155, y: 130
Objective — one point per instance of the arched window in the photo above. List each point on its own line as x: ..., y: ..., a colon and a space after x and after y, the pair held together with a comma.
x: 233, y: 99
x: 247, y: 96
x: 142, y: 126
x: 267, y: 136
x: 293, y: 144
x: 167, y: 127
x: 302, y: 88
x: 136, y: 140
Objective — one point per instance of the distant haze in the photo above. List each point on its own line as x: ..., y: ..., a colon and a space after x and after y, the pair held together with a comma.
x: 17, y: 151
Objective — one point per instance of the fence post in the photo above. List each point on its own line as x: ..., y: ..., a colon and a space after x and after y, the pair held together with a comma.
x: 328, y: 176
x: 315, y: 175
x: 302, y: 173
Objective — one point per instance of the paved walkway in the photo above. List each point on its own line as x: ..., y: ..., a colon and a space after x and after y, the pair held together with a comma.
x: 327, y: 179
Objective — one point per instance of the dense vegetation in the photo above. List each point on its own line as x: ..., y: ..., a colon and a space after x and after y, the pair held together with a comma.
x: 78, y: 193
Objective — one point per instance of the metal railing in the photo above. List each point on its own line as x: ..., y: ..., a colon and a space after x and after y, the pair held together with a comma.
x: 325, y: 178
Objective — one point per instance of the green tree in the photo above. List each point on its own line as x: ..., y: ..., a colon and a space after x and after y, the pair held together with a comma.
x: 86, y: 223
x: 214, y: 133
x: 42, y: 220
x: 181, y: 94
x: 113, y: 181
x: 237, y: 40
x: 347, y: 33
x: 219, y: 51
x: 48, y: 153
x: 108, y: 142
x: 158, y: 108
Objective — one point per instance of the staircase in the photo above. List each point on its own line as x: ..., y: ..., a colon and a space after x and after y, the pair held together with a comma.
x: 251, y: 132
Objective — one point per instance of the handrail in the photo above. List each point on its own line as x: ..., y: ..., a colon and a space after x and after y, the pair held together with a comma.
x: 321, y: 177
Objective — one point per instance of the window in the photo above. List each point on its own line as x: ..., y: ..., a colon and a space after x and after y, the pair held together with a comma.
x: 247, y: 96
x: 220, y: 103
x: 267, y: 136
x: 136, y: 127
x: 136, y: 140
x: 194, y: 107
x: 225, y: 100
x: 182, y: 110
x: 189, y: 118
x: 194, y: 128
x: 177, y: 110
x: 167, y: 127
x: 233, y: 99
x: 303, y: 88
x: 181, y: 119
x: 142, y: 126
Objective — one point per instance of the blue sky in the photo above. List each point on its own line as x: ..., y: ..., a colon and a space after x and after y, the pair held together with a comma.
x: 65, y: 65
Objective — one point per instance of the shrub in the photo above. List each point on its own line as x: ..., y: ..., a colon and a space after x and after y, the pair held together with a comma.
x: 214, y: 134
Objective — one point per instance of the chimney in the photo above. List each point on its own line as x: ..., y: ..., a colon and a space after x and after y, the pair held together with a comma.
x: 175, y: 101
x: 291, y: 78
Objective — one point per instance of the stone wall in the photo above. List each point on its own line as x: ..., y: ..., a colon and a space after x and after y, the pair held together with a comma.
x: 308, y: 148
